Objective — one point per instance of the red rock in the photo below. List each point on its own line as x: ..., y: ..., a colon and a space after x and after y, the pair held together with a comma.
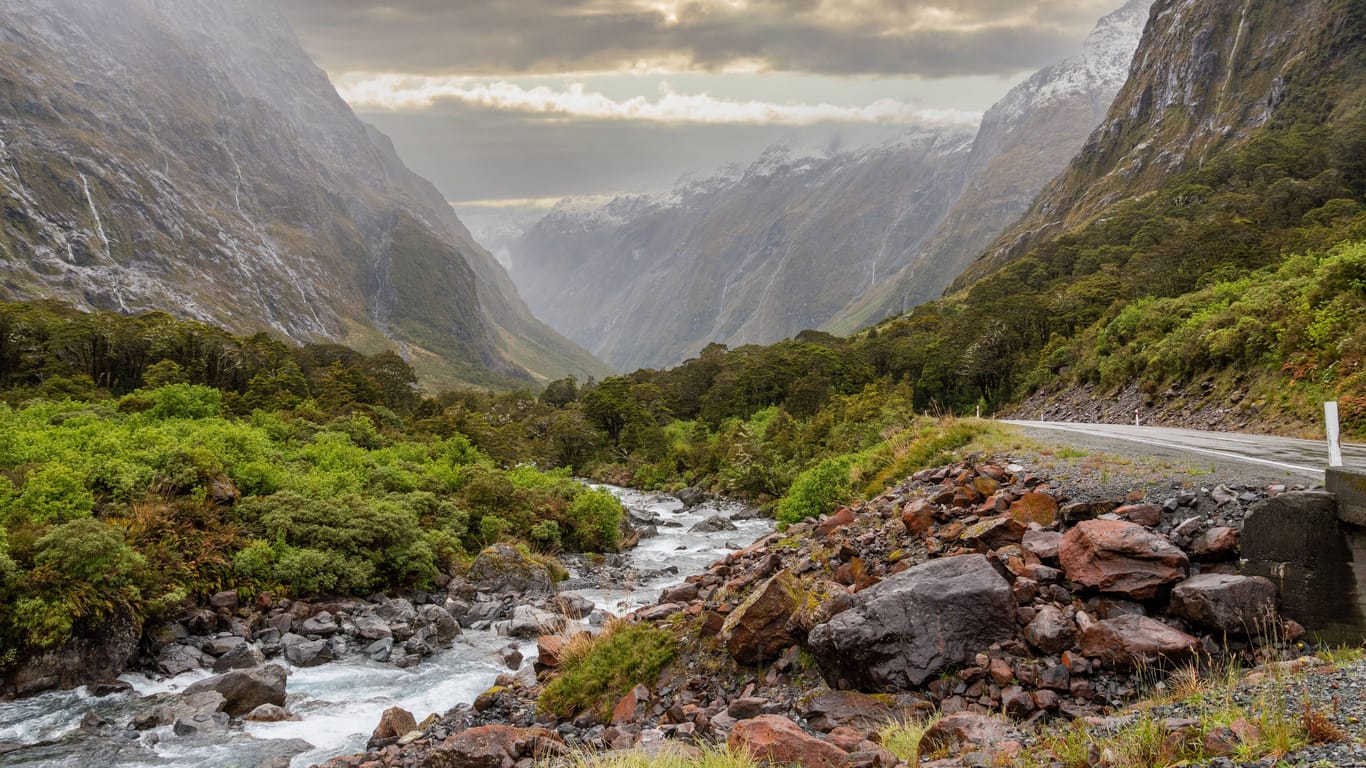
x: 761, y: 628
x: 985, y: 485
x: 1127, y: 640
x: 917, y: 516
x: 1035, y: 507
x: 775, y: 740
x: 841, y: 519
x: 494, y: 746
x: 1118, y: 556
x: 1016, y: 701
x: 1216, y: 543
x: 626, y: 709
x: 1147, y: 515
x: 1000, y: 671
x: 395, y: 722
x: 846, y: 738
x: 846, y: 708
x: 548, y: 650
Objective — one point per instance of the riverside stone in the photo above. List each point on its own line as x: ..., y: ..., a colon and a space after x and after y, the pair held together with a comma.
x: 494, y: 746
x: 761, y: 628
x: 1132, y: 639
x: 915, y: 624
x: 246, y: 689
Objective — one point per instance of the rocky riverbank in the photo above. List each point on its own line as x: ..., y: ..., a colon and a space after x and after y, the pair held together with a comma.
x: 983, y: 591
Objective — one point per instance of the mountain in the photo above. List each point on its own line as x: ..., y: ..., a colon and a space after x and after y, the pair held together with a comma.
x: 835, y: 242
x: 1025, y: 140
x: 1207, y: 78
x: 1203, y: 256
x: 187, y: 155
x: 750, y: 256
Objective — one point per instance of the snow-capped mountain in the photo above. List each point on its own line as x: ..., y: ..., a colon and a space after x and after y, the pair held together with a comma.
x: 750, y: 255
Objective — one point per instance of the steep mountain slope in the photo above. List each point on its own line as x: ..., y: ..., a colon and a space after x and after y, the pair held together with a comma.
x: 1206, y: 79
x: 750, y: 257
x: 1024, y: 141
x: 1203, y: 252
x: 186, y: 155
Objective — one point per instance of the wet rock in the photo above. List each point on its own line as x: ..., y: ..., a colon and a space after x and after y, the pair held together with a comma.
x: 80, y: 660
x: 244, y: 655
x: 109, y: 688
x: 1238, y: 605
x: 269, y: 713
x: 226, y: 600
x: 1130, y: 640
x: 395, y: 722
x: 178, y: 659
x: 244, y: 690
x: 322, y: 625
x: 914, y: 624
x: 510, y: 656
x: 532, y: 622
x: 494, y: 746
x: 776, y: 740
x: 714, y: 524
x: 302, y: 652
x: 371, y: 627
x: 1118, y: 556
x: 761, y: 628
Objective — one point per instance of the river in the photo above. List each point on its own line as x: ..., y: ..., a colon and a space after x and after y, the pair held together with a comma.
x: 339, y: 703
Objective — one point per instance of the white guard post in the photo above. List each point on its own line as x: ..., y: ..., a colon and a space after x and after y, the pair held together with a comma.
x: 1330, y: 418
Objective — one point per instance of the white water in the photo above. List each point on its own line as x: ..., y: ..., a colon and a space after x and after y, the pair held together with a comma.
x: 339, y: 703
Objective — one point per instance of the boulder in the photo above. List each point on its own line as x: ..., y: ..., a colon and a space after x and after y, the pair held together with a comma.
x: 371, y: 627
x: 1051, y: 631
x: 395, y: 722
x: 761, y: 628
x: 82, y: 659
x: 532, y: 622
x: 1129, y: 640
x: 444, y: 627
x: 1238, y: 605
x: 494, y: 746
x: 915, y: 624
x: 714, y: 524
x: 302, y: 652
x: 226, y: 600
x: 964, y: 731
x: 323, y: 625
x: 1122, y: 557
x: 1042, y: 544
x: 246, y: 689
x: 242, y: 656
x: 502, y: 568
x: 775, y: 740
x: 548, y: 650
x: 1146, y: 515
x: 176, y: 659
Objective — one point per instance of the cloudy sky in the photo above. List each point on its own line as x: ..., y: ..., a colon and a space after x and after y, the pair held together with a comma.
x: 506, y: 101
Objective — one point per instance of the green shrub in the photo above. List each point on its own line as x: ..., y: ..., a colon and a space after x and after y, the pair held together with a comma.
x: 595, y: 521
x: 184, y: 401
x: 618, y: 661
x: 53, y: 494
x: 817, y: 491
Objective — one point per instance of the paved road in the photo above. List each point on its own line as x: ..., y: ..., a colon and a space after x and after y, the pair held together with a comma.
x: 1307, y: 457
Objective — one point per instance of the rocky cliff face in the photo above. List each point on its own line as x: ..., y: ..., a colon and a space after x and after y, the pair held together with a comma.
x: 753, y: 256
x: 186, y: 155
x: 1025, y: 140
x: 1206, y: 76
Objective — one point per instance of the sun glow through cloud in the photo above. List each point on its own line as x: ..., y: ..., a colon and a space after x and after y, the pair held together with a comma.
x: 407, y: 93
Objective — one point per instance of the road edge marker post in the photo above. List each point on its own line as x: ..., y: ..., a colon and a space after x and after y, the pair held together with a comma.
x: 1330, y: 418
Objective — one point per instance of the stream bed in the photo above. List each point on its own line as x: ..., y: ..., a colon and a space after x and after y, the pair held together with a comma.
x: 339, y: 703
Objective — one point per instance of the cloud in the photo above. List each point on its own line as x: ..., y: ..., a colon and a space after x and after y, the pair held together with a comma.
x: 396, y: 93
x: 927, y: 38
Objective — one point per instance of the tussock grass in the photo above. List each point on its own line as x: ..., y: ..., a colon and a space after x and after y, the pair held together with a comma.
x: 597, y: 672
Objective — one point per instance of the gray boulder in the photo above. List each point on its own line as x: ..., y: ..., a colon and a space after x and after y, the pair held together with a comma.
x: 242, y: 656
x: 246, y: 689
x: 371, y: 627
x: 302, y: 652
x: 713, y: 524
x: 1238, y: 605
x: 914, y: 625
x: 502, y: 568
x: 178, y: 659
x: 532, y: 622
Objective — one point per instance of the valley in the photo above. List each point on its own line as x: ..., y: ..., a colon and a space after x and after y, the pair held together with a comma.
x: 294, y: 471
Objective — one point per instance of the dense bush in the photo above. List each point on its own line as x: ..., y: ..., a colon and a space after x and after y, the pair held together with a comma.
x: 620, y: 659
